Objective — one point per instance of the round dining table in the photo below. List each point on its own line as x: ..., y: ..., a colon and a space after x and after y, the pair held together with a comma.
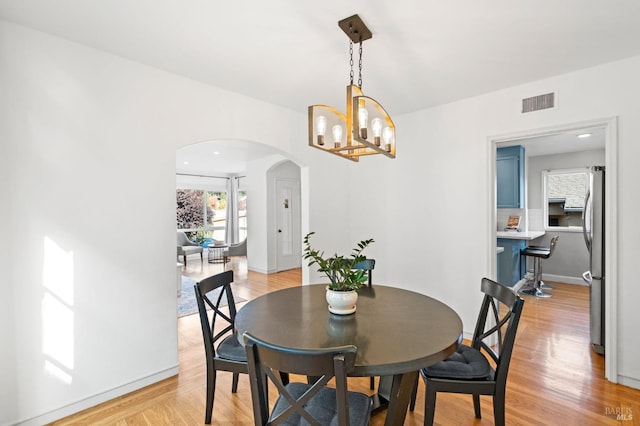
x: 397, y: 332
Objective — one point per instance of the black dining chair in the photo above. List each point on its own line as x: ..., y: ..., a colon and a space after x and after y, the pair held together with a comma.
x: 304, y: 403
x: 222, y: 349
x: 368, y: 265
x: 468, y: 370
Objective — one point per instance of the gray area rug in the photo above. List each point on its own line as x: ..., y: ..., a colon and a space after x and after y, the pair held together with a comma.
x: 187, y: 304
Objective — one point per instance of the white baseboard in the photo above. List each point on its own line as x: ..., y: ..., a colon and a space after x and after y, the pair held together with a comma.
x: 260, y: 270
x: 563, y: 279
x: 629, y: 381
x: 94, y: 400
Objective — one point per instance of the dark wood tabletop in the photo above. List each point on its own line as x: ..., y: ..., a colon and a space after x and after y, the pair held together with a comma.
x: 395, y: 330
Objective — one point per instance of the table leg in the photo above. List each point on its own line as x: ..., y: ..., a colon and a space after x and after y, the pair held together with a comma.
x: 395, y: 393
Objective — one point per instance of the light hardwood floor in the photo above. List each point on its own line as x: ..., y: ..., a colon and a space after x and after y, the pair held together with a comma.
x: 554, y: 378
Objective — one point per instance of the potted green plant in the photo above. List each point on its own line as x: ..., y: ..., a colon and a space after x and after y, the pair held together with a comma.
x: 344, y: 279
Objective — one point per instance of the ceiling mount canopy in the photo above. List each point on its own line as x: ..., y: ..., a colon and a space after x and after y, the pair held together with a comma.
x: 366, y: 127
x: 355, y: 29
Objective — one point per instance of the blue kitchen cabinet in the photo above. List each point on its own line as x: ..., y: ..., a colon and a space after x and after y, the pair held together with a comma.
x: 510, y: 177
x: 511, y: 268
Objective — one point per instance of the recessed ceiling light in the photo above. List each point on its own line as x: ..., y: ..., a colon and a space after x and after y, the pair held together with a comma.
x: 185, y: 162
x: 584, y: 135
x: 216, y: 152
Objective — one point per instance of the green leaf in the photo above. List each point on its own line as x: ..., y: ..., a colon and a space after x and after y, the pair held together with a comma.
x: 338, y: 268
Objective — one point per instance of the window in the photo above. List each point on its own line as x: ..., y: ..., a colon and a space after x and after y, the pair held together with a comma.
x: 202, y: 214
x: 564, y: 192
x: 217, y: 202
x: 242, y: 215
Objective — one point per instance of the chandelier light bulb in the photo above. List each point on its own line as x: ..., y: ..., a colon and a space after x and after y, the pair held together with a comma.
x: 337, y: 135
x: 376, y: 128
x: 387, y: 136
x: 321, y: 128
x: 363, y: 119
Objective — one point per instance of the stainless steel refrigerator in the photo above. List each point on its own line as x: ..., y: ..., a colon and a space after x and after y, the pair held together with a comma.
x: 593, y: 229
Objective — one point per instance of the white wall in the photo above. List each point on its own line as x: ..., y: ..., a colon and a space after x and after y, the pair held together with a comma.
x: 202, y: 183
x: 434, y: 201
x: 328, y: 195
x: 8, y: 377
x: 80, y: 126
x: 90, y: 142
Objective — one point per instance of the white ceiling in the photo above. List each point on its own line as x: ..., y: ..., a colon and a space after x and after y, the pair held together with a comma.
x: 292, y: 53
x: 220, y: 157
x: 562, y: 142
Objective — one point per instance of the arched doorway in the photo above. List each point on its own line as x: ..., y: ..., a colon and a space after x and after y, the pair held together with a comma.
x: 218, y: 165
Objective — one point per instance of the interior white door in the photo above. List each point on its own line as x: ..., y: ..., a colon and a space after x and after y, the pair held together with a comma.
x: 287, y: 224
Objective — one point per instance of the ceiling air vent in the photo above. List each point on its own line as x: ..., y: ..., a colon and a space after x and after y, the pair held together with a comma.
x: 539, y: 102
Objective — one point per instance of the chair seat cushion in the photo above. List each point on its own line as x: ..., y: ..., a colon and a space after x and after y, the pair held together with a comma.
x: 465, y: 363
x: 189, y: 249
x: 231, y: 349
x: 535, y: 252
x: 322, y: 406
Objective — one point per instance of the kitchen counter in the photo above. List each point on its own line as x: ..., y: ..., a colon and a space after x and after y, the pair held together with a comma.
x: 511, y: 266
x: 530, y: 235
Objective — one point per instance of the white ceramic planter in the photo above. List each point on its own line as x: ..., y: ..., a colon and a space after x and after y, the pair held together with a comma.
x: 342, y: 302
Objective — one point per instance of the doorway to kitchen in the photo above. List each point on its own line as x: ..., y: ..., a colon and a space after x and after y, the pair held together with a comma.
x: 562, y: 140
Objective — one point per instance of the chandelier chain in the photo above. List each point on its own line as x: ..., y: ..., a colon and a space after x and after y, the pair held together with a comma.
x: 360, y: 67
x: 351, y: 60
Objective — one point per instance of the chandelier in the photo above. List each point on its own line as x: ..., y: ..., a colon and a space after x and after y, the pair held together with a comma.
x: 366, y: 129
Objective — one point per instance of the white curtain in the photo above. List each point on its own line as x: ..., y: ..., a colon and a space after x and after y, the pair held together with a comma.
x: 232, y: 232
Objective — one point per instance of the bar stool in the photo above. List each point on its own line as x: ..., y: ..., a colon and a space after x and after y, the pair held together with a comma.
x: 529, y: 282
x: 538, y: 253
